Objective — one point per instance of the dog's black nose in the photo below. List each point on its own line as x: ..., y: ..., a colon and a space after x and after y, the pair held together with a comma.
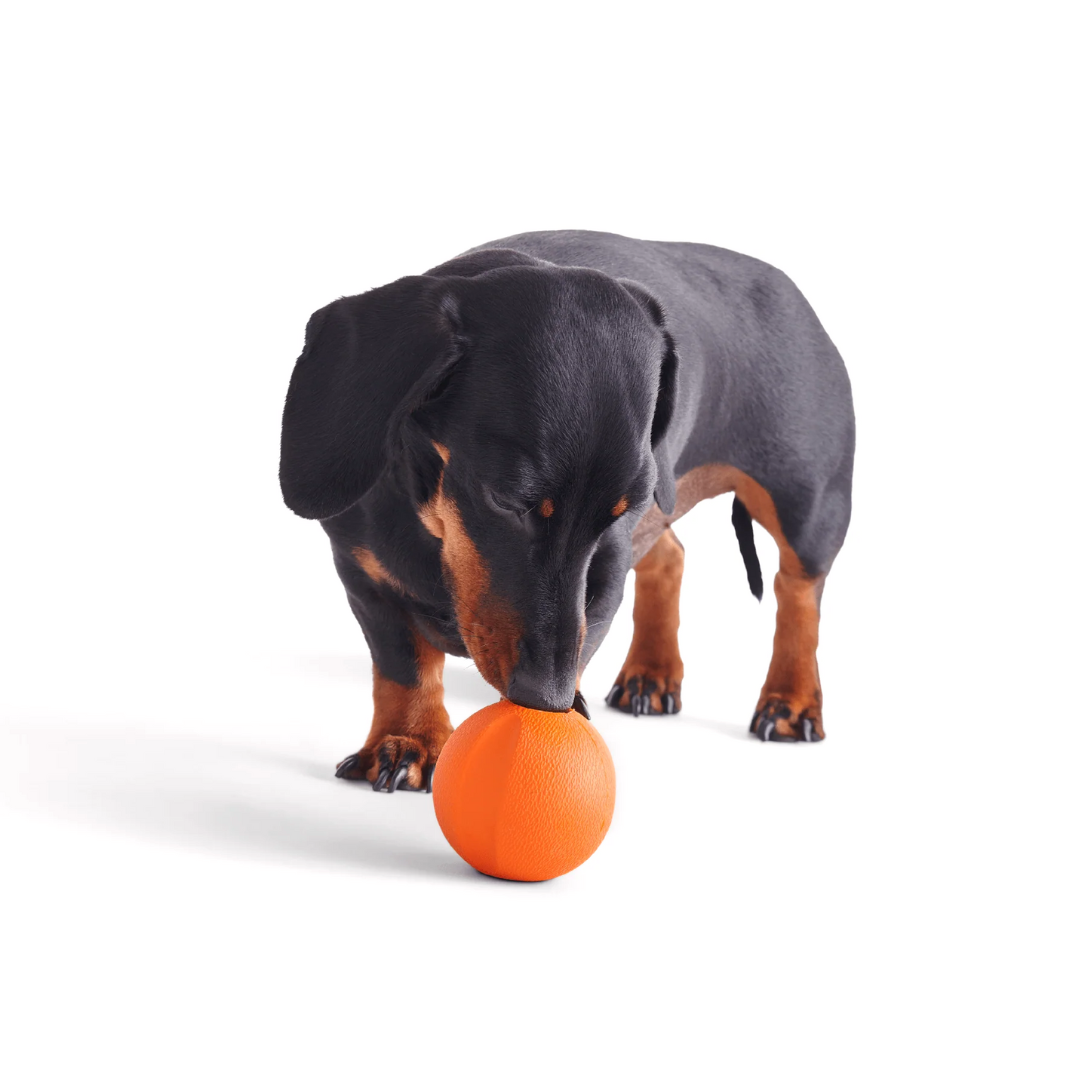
x: 536, y: 691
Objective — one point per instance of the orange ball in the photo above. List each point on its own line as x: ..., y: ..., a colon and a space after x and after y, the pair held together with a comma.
x: 524, y: 794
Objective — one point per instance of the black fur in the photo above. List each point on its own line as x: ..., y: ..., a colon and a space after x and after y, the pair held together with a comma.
x: 572, y: 366
x: 744, y: 533
x: 368, y: 362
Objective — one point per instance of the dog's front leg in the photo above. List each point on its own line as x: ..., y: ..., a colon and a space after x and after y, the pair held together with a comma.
x: 651, y: 677
x: 410, y: 723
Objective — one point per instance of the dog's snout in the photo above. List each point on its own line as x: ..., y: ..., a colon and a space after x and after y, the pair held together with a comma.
x: 543, y: 694
x: 541, y: 681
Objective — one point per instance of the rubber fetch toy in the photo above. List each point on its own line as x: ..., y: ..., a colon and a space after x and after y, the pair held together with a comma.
x: 523, y: 794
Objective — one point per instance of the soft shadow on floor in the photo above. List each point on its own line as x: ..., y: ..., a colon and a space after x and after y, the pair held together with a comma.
x: 216, y: 796
x: 721, y: 727
x: 727, y: 728
x: 464, y: 683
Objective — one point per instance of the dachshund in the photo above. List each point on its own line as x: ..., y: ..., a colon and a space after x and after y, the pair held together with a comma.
x: 493, y: 444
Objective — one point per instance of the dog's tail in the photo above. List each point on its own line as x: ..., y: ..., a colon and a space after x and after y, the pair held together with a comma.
x: 744, y: 531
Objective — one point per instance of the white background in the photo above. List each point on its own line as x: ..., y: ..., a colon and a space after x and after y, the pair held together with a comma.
x: 189, y: 892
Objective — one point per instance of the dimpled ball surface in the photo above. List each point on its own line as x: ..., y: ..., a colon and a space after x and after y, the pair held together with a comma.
x: 523, y: 794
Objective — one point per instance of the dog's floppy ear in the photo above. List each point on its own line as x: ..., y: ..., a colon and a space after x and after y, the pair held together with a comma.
x: 366, y: 359
x: 665, y: 398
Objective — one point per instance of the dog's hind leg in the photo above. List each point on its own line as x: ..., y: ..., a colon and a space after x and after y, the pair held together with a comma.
x: 651, y: 677
x: 789, y: 706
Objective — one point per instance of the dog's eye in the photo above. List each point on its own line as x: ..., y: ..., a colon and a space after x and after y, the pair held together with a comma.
x: 506, y: 504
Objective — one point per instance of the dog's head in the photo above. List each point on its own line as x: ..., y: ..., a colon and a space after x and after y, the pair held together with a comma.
x: 523, y: 409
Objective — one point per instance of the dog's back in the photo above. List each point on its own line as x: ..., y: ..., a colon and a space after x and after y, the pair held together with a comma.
x: 761, y: 385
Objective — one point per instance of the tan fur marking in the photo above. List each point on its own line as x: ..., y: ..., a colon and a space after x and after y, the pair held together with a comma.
x: 489, y: 627
x: 793, y: 672
x: 407, y: 718
x: 706, y: 482
x: 620, y: 507
x: 654, y: 651
x: 547, y: 508
x: 369, y: 563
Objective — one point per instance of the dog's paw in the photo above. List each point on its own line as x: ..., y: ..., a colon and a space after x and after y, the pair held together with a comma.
x: 788, y: 719
x: 643, y: 693
x: 395, y: 761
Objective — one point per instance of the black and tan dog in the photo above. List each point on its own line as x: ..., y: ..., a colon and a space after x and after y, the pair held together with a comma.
x: 493, y: 444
